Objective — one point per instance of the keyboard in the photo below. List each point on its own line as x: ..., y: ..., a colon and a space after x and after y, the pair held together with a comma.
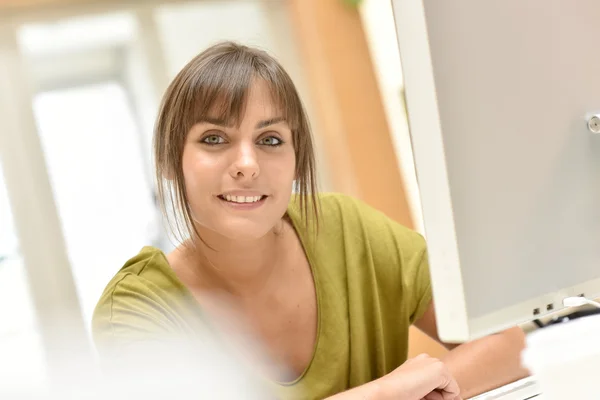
x: 523, y: 389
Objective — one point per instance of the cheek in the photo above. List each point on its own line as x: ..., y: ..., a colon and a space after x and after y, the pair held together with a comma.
x: 201, y: 172
x: 281, y: 170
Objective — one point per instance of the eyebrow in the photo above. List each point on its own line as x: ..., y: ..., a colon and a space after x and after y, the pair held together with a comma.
x: 268, y: 122
x: 214, y: 121
x: 260, y: 125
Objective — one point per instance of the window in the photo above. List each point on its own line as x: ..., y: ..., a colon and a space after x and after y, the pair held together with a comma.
x: 101, y: 188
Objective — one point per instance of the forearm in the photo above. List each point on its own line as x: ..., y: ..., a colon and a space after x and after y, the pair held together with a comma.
x: 487, y: 363
x: 368, y: 391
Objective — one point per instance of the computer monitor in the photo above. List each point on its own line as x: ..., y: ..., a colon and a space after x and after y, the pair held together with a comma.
x: 499, y: 96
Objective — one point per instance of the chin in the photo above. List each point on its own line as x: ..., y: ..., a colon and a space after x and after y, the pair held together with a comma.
x: 246, y: 232
x: 243, y: 229
x: 249, y: 226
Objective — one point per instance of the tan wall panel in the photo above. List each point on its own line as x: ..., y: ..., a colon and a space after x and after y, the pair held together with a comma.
x: 351, y: 115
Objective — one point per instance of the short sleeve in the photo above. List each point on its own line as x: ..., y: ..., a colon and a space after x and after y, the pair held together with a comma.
x: 397, y: 249
x: 390, y: 260
x: 131, y: 314
x: 421, y: 292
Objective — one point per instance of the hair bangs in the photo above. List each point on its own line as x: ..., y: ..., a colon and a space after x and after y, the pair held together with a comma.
x: 221, y: 89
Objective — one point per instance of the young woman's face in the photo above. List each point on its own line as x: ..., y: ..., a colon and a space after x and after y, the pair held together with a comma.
x: 239, y: 179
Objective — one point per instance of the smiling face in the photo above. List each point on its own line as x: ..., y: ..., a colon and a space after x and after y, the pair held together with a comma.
x: 239, y: 177
x: 231, y: 127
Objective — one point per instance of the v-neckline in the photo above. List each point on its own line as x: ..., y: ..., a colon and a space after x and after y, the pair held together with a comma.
x: 308, y: 249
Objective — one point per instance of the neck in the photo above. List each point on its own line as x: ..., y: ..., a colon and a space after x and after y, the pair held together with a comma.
x: 243, y: 268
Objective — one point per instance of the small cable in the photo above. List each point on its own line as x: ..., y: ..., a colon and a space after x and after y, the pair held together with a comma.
x: 578, y: 301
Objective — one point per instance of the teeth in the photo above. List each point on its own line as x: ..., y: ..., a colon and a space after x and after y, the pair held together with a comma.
x: 242, y: 199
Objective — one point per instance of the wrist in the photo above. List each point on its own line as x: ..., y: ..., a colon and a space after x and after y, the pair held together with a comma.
x: 373, y: 390
x: 391, y: 387
x: 379, y: 389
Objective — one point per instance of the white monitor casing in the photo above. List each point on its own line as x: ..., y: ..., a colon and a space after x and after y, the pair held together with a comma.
x: 498, y: 95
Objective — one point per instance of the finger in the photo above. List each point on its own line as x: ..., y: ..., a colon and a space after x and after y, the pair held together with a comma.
x: 450, y: 396
x: 435, y: 395
x: 450, y: 389
x: 421, y: 356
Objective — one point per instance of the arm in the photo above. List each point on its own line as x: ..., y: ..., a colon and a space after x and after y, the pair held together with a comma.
x: 420, y: 378
x: 483, y: 364
x: 368, y: 391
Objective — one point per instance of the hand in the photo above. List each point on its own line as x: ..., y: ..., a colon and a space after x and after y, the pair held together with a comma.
x: 420, y: 378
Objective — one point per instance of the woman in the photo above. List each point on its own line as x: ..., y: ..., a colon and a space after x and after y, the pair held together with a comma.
x: 326, y: 285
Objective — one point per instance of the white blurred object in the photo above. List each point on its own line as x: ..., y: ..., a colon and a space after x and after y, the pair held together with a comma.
x: 150, y: 372
x: 564, y: 358
x: 523, y: 389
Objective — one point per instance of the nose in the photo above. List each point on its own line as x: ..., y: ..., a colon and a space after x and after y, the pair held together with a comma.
x: 245, y: 166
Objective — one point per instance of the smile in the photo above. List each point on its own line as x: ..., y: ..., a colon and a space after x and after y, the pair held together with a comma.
x: 241, y: 199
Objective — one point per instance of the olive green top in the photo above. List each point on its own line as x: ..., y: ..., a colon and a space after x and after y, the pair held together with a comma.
x: 372, y: 282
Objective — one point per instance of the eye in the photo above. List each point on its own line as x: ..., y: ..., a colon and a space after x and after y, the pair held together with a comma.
x: 270, y: 141
x: 213, y: 140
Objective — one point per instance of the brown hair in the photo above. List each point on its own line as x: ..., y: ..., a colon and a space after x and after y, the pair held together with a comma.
x: 218, y: 80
